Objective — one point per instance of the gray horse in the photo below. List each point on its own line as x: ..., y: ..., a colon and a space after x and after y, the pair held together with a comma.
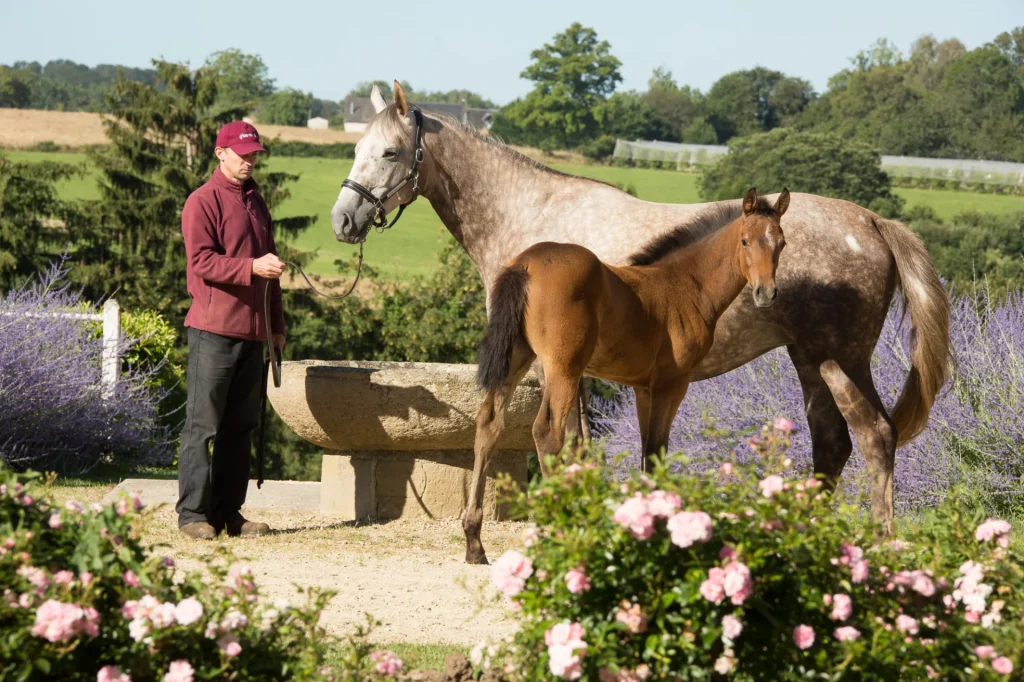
x: 836, y: 278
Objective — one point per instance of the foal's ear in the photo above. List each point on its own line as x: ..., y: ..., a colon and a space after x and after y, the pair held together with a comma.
x: 400, y: 101
x: 782, y: 203
x: 749, y: 201
x: 377, y: 99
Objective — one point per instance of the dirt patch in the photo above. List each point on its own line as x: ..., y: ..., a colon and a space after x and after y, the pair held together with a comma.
x: 409, y: 575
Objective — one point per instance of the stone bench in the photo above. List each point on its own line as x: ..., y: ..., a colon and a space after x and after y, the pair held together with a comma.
x: 398, y: 436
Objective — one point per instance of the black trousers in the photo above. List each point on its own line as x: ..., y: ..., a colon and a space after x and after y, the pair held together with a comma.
x: 224, y: 379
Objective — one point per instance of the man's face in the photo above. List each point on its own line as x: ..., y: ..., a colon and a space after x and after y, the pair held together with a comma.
x: 235, y: 166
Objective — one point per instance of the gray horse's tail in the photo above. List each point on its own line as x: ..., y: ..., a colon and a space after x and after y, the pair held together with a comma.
x: 928, y: 304
x: 504, y: 327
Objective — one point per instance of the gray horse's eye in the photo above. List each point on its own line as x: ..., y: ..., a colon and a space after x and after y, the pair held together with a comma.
x: 390, y: 153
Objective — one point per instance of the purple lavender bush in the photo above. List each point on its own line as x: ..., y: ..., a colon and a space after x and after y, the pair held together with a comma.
x: 973, y: 443
x: 54, y: 416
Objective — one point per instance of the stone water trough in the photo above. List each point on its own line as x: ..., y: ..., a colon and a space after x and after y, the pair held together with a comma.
x: 398, y: 436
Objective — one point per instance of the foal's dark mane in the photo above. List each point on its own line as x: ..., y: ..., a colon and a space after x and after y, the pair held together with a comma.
x: 713, y: 219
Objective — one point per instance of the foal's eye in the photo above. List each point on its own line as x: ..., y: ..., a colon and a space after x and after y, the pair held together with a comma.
x: 744, y: 242
x: 390, y: 153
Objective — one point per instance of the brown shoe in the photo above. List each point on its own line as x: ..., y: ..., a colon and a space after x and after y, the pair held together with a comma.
x: 200, y: 530
x: 239, y: 526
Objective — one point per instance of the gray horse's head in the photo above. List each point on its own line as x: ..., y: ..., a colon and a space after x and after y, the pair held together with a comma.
x: 384, y: 158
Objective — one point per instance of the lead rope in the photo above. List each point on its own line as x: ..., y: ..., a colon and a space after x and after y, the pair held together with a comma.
x: 273, y: 360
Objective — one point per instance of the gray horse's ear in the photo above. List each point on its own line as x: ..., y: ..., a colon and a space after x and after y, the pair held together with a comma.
x: 401, y: 103
x: 377, y: 99
x: 749, y: 201
x: 782, y: 203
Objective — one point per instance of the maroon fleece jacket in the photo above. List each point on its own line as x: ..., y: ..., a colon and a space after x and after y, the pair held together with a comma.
x: 226, y: 226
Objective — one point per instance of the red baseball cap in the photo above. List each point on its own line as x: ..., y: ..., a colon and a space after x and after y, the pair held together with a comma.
x: 240, y: 137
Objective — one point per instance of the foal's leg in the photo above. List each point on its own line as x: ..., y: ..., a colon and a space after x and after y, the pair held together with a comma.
x: 857, y: 399
x: 560, y: 393
x: 830, y: 435
x: 490, y: 422
x: 665, y: 402
x: 643, y: 415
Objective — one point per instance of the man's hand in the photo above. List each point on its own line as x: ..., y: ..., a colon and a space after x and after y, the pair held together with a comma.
x: 269, y: 266
x: 279, y: 343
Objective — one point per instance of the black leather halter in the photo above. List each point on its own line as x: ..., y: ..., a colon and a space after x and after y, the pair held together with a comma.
x: 380, y: 220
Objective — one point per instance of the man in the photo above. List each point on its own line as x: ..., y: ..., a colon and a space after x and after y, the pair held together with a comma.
x: 231, y: 258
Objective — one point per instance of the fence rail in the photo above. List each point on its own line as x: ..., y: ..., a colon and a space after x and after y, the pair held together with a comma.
x: 111, y: 319
x: 975, y: 171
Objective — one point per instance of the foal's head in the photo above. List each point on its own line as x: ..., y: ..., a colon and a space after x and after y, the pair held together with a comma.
x: 761, y: 242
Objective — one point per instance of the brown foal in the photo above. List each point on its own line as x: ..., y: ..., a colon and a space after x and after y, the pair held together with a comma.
x: 646, y: 325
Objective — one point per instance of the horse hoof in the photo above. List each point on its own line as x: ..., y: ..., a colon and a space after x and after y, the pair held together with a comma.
x: 476, y: 558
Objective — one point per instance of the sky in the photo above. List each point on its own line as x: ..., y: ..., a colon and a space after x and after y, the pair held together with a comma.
x: 327, y: 47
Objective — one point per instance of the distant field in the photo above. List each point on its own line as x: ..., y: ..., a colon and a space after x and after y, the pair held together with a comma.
x: 410, y: 247
x: 25, y: 128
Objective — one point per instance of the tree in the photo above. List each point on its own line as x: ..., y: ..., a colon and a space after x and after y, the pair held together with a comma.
x: 818, y: 163
x: 929, y: 60
x: 678, y: 108
x: 985, y: 96
x: 288, y: 107
x: 629, y: 116
x: 878, y: 106
x: 573, y: 74
x: 33, y: 218
x: 16, y: 88
x: 756, y: 100
x: 243, y: 79
x: 1011, y: 44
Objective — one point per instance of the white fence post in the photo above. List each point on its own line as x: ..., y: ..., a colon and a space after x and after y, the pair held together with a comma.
x: 111, y: 339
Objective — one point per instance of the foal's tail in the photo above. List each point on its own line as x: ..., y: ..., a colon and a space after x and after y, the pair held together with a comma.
x: 504, y: 327
x: 927, y: 302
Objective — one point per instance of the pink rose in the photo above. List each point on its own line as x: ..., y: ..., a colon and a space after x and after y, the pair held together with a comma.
x: 727, y: 552
x: 55, y: 521
x: 738, y: 584
x: 726, y: 469
x: 906, y: 624
x: 689, y: 527
x: 229, y: 645
x: 122, y: 507
x: 632, y: 616
x: 188, y: 611
x: 510, y: 571
x: 86, y: 578
x: 387, y: 662
x: 846, y: 634
x: 130, y: 579
x: 984, y: 651
x: 635, y: 515
x: 842, y: 606
x: 661, y: 503
x: 993, y: 529
x: 713, y: 589
x: 1002, y: 665
x: 731, y: 626
x: 859, y: 572
x: 63, y: 577
x: 179, y: 671
x: 783, y: 424
x: 566, y: 649
x: 577, y: 581
x: 803, y: 636
x: 771, y: 485
x: 111, y: 673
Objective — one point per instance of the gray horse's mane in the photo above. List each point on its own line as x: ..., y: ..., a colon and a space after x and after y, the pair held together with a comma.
x: 393, y: 124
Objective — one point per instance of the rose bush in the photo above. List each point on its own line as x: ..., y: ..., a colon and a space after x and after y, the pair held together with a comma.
x: 82, y: 599
x: 750, y: 572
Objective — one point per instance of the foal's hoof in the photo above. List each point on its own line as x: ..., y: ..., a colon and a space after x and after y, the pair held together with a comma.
x: 476, y: 558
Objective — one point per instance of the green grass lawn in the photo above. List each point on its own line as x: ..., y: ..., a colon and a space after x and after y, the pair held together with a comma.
x: 409, y: 248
